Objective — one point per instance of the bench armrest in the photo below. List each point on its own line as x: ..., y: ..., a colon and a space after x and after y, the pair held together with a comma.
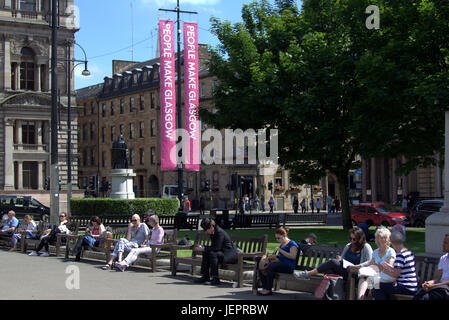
x: 161, y: 246
x: 176, y: 247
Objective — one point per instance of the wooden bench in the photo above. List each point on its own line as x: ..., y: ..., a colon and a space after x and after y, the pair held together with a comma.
x: 315, y: 255
x: 26, y: 242
x: 255, y: 220
x: 250, y: 247
x: 160, y: 251
x: 301, y: 219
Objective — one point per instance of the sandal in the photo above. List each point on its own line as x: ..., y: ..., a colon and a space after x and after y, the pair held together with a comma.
x: 107, y: 266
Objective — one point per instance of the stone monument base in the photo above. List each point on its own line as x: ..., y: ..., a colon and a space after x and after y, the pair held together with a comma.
x: 122, y: 184
x: 437, y: 225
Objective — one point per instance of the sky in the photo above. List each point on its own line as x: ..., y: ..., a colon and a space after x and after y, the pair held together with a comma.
x: 109, y: 28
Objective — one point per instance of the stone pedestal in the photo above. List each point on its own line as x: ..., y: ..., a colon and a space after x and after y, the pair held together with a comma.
x: 122, y: 184
x: 437, y: 225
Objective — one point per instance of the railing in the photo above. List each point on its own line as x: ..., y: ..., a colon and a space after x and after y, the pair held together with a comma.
x: 30, y: 147
x: 32, y: 15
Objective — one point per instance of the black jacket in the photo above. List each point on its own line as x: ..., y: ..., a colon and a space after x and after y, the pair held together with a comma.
x: 221, y: 241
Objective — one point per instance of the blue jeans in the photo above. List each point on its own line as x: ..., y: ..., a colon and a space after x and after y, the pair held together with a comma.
x: 387, y: 288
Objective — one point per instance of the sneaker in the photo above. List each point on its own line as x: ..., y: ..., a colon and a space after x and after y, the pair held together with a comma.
x: 302, y: 275
x: 45, y: 254
x: 215, y: 282
x: 33, y: 254
x: 202, y: 280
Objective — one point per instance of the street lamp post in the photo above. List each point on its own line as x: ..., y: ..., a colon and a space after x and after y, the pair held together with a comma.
x: 85, y: 73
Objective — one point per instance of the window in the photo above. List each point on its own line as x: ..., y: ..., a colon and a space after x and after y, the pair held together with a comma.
x: 92, y: 157
x: 122, y: 129
x: 28, y: 5
x: 103, y: 159
x: 85, y: 158
x: 112, y: 108
x: 122, y: 106
x: 84, y: 132
x: 103, y: 110
x: 131, y: 130
x: 141, y: 156
x: 142, y: 129
x: 142, y: 102
x: 153, y: 128
x: 28, y: 132
x: 131, y: 104
x: 85, y: 109
x: 103, y: 134
x: 92, y: 131
x: 153, y: 100
x: 360, y: 209
x: 112, y: 133
x: 92, y: 107
x: 153, y: 155
x: 131, y: 157
x: 371, y: 210
x: 202, y: 90
x: 27, y: 76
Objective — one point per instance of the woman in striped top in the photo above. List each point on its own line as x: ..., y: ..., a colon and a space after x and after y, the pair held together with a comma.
x: 403, y: 270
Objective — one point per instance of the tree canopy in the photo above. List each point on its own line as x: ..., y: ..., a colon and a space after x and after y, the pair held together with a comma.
x: 332, y: 87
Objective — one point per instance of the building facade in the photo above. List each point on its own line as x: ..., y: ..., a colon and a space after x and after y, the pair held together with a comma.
x: 25, y: 98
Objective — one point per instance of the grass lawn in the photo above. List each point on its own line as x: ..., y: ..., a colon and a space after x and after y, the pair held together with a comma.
x: 326, y: 236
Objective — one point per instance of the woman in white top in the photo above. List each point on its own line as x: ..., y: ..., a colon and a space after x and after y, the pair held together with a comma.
x: 31, y: 229
x: 50, y: 235
x: 383, y: 254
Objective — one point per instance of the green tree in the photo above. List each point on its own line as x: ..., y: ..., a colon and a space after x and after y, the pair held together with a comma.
x: 333, y: 88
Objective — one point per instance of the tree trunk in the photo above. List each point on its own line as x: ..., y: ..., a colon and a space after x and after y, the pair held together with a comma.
x: 342, y: 180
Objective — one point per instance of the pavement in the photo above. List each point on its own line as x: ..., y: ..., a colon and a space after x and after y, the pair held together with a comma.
x: 54, y: 278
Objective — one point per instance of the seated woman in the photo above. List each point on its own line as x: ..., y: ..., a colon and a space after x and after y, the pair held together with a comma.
x: 157, y: 237
x: 356, y: 252
x: 403, y: 271
x: 137, y: 234
x: 49, y: 235
x: 383, y: 256
x: 91, y: 238
x: 287, y: 253
x: 30, y: 228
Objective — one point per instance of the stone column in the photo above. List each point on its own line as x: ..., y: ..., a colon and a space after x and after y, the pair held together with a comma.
x: 19, y: 134
x: 40, y: 179
x: 373, y: 180
x: 6, y: 65
x: 437, y: 225
x: 20, y: 175
x: 18, y: 76
x: 9, y: 150
x: 38, y: 135
x: 37, y: 78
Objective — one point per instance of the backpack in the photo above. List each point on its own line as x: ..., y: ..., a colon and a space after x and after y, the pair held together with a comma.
x: 185, y: 241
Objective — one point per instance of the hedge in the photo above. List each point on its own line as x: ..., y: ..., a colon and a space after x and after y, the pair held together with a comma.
x: 107, y: 206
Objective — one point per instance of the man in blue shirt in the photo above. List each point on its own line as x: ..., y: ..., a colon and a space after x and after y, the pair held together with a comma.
x: 12, y: 223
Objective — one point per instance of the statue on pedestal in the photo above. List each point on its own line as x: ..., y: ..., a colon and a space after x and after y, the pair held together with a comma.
x: 119, y: 154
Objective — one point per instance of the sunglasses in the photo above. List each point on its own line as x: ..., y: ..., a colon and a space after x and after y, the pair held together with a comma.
x: 62, y: 216
x: 352, y: 239
x: 133, y: 220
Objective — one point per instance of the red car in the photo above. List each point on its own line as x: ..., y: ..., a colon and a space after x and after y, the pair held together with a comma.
x: 379, y: 213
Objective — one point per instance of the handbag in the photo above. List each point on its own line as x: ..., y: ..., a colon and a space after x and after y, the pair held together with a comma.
x: 330, y: 288
x: 265, y: 261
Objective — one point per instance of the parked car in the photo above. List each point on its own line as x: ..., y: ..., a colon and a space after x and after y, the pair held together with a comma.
x: 23, y: 205
x: 422, y: 210
x: 379, y: 213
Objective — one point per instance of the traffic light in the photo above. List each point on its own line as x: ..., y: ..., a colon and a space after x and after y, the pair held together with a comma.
x: 93, y: 182
x: 47, y: 183
x: 270, y: 185
x: 207, y: 185
x: 234, y: 181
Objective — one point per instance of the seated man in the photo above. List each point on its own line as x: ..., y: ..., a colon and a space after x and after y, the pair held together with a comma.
x: 222, y: 250
x: 11, y: 225
x: 305, y: 244
x: 138, y: 233
x: 438, y: 288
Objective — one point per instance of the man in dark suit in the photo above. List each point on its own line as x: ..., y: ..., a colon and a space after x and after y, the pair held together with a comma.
x: 221, y: 250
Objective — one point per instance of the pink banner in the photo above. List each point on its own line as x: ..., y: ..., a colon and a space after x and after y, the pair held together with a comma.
x: 167, y: 95
x: 191, y: 84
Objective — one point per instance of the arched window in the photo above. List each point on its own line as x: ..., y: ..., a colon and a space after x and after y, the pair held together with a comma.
x: 27, y: 69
